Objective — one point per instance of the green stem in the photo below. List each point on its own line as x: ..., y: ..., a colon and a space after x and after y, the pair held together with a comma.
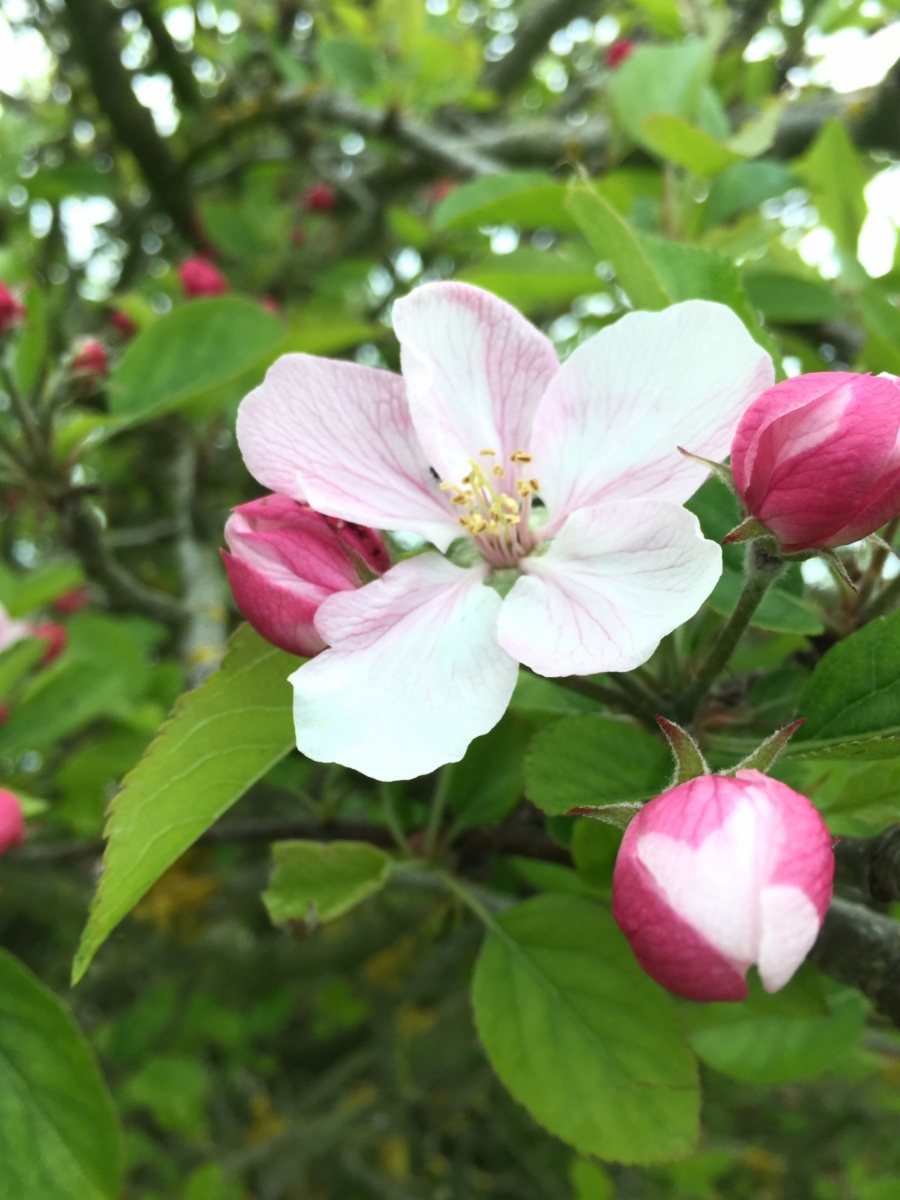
x: 882, y: 603
x: 472, y: 901
x: 438, y: 806
x: 760, y: 571
x: 386, y: 792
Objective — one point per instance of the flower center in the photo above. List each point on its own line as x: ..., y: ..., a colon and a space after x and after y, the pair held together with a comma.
x: 495, y: 504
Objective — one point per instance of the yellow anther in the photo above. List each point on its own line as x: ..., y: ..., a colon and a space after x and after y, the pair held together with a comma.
x: 523, y: 487
x: 461, y: 499
x: 535, y: 485
x: 520, y: 456
x: 488, y: 451
x: 498, y: 470
x: 511, y: 504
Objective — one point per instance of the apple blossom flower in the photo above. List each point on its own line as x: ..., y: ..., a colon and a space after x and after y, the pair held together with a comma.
x: 12, y: 821
x: 816, y: 459
x: 12, y: 631
x: 11, y: 311
x: 718, y: 874
x: 285, y: 559
x: 558, y: 487
x: 200, y: 277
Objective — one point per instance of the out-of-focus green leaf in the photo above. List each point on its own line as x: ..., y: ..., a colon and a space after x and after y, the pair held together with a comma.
x: 200, y: 346
x: 59, y: 1136
x: 595, y: 845
x: 348, y: 64
x: 17, y: 661
x: 791, y: 300
x: 31, y: 345
x: 323, y: 880
x: 660, y: 79
x: 779, y: 612
x: 684, y: 144
x: 581, y: 1036
x: 610, y: 236
x: 852, y: 701
x: 593, y: 761
x: 832, y: 171
x: 881, y: 319
x: 866, y: 802
x: 536, y: 697
x: 590, y: 1181
x: 533, y: 280
x: 322, y: 327
x: 40, y: 588
x: 221, y: 738
x: 488, y: 782
x: 525, y: 198
x: 795, y: 1034
x: 742, y: 187
x: 174, y: 1088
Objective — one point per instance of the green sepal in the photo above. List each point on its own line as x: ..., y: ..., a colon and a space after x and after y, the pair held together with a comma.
x: 762, y: 758
x: 620, y: 815
x: 748, y: 529
x: 720, y: 470
x: 689, y: 760
x: 838, y: 567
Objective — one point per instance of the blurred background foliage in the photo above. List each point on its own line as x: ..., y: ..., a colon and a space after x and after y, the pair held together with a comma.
x: 325, y: 158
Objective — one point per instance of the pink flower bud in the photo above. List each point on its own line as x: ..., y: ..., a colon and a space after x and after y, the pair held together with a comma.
x: 199, y: 277
x: 718, y: 874
x: 72, y: 601
x: 816, y: 459
x: 91, y: 362
x: 122, y: 323
x: 617, y: 53
x: 319, y: 198
x: 12, y: 821
x: 55, y: 636
x: 286, y: 558
x: 11, y: 311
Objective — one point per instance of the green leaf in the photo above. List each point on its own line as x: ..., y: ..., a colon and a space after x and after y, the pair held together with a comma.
x: 58, y: 1132
x: 348, y: 64
x: 779, y: 611
x: 37, y: 589
x: 581, y: 1037
x: 200, y: 346
x: 323, y: 880
x: 791, y: 300
x: 660, y: 79
x: 613, y: 239
x: 221, y: 738
x: 795, y: 1034
x: 852, y: 700
x: 594, y: 761
x: 31, y: 345
x: 868, y: 800
x: 682, y: 143
x: 526, y: 198
x: 742, y: 187
x: 488, y: 782
x: 538, y: 698
x: 533, y: 280
x: 881, y: 319
x: 590, y: 1181
x: 17, y: 661
x: 595, y: 847
x: 833, y: 172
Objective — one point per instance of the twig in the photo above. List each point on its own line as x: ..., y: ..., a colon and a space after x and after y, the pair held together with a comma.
x: 536, y: 28
x: 861, y: 948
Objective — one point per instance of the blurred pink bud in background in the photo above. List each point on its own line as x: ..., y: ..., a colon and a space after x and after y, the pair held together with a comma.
x: 200, y: 277
x: 12, y: 821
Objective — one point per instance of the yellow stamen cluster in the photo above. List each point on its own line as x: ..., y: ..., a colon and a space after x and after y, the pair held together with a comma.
x: 490, y: 512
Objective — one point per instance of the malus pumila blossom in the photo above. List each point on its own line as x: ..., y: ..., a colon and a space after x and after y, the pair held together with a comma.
x: 285, y: 559
x: 12, y: 821
x: 816, y: 459
x: 199, y: 277
x: 557, y: 490
x: 719, y: 874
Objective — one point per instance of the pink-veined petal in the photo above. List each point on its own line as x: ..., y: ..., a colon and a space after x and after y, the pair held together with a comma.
x: 611, y: 422
x: 615, y: 580
x: 475, y: 371
x: 340, y: 436
x: 414, y: 672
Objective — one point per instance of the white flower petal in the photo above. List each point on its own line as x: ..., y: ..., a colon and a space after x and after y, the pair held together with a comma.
x: 615, y: 580
x: 414, y: 673
x: 611, y: 422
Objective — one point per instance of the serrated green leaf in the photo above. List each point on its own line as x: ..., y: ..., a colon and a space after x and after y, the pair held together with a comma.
x: 581, y: 1037
x: 588, y: 761
x: 198, y: 347
x: 221, y: 738
x: 59, y: 1136
x: 323, y: 880
x: 613, y: 239
x: 852, y: 700
x: 769, y: 1039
